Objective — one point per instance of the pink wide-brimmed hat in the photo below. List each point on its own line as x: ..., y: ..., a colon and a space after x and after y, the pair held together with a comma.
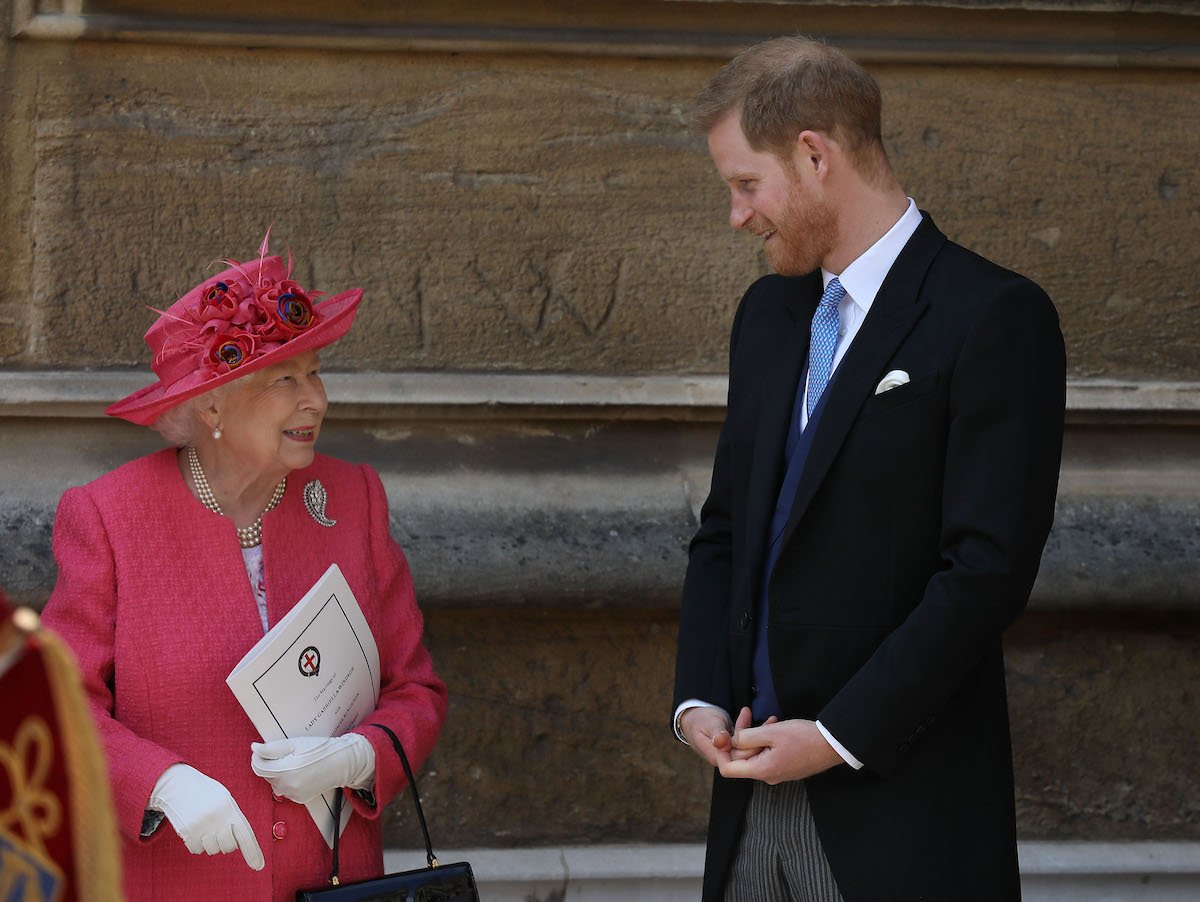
x: 242, y: 320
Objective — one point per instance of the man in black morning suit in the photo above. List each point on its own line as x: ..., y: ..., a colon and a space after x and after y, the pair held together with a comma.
x: 881, y: 493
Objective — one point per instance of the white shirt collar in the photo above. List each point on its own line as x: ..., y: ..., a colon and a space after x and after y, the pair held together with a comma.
x: 863, y: 278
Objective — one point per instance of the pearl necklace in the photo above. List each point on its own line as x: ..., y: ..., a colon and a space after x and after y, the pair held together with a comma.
x: 248, y: 536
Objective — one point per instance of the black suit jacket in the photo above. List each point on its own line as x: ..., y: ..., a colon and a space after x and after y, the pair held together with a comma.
x: 913, y: 542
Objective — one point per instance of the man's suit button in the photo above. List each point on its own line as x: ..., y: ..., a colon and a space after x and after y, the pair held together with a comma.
x: 745, y: 619
x: 279, y: 830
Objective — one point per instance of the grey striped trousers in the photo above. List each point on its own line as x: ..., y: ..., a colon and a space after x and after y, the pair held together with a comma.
x: 779, y: 857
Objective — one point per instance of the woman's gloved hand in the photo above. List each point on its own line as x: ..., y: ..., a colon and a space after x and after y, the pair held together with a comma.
x: 301, y: 769
x: 204, y: 814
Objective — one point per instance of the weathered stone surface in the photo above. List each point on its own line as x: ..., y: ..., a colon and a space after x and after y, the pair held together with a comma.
x: 26, y: 561
x: 543, y: 213
x: 1106, y: 551
x: 1015, y: 165
x: 11, y: 337
x: 1104, y: 717
x: 559, y: 731
x: 483, y: 240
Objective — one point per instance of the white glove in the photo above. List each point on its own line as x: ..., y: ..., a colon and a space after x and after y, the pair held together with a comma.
x: 204, y: 814
x: 302, y: 768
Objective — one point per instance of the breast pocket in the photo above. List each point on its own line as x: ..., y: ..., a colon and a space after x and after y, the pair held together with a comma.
x: 897, y: 437
x: 908, y: 393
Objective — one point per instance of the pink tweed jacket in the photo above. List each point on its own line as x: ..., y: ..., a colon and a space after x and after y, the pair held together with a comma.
x: 153, y: 598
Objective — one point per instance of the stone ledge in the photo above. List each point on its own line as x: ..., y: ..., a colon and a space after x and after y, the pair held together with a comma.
x: 1103, y: 34
x: 1058, y: 871
x: 1094, y: 399
x: 376, y: 396
x: 620, y: 541
x: 576, y: 492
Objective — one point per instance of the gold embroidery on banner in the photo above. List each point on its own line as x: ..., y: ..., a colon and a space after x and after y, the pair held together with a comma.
x: 35, y: 812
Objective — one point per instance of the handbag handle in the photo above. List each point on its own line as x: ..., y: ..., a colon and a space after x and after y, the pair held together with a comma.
x: 416, y: 797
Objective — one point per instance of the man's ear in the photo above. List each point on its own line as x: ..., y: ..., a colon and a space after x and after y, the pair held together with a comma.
x: 812, y: 153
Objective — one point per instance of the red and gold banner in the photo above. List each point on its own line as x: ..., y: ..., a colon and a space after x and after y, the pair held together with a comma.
x: 58, y: 838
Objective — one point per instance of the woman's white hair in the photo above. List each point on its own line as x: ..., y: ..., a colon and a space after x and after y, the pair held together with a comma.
x: 181, y: 424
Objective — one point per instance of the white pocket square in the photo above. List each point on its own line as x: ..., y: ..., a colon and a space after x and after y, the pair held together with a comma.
x: 894, y: 379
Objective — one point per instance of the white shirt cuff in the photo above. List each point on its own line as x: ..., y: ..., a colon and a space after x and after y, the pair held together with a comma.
x: 839, y: 748
x: 684, y: 706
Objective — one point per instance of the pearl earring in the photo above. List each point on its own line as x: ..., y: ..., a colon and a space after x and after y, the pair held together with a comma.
x: 217, y: 433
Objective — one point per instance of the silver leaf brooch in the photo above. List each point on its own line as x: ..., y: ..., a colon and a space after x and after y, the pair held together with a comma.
x: 315, y: 498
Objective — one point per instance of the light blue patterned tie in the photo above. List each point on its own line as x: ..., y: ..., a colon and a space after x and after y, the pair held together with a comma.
x: 823, y: 342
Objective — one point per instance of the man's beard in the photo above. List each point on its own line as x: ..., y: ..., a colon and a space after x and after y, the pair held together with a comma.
x: 805, y: 234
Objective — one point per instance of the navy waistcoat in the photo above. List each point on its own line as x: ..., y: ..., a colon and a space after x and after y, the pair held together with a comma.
x: 796, y: 449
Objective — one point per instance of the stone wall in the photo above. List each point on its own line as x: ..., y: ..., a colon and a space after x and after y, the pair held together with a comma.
x: 528, y: 213
x: 537, y: 367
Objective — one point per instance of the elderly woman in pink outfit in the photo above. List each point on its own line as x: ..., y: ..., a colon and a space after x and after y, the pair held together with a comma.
x: 173, y: 566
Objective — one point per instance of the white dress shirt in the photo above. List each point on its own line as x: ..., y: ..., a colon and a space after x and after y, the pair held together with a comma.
x: 862, y: 280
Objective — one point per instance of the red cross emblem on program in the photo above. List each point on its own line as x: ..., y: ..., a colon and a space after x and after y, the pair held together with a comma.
x: 310, y: 661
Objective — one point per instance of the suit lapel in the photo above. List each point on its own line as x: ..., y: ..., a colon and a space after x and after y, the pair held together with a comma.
x: 780, y: 378
x: 894, y: 312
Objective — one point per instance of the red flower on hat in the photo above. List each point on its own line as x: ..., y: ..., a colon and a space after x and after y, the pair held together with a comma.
x: 288, y: 309
x: 219, y: 304
x: 230, y: 349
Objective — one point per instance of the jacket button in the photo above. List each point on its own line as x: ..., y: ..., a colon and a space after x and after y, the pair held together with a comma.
x: 745, y: 619
x: 279, y: 830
